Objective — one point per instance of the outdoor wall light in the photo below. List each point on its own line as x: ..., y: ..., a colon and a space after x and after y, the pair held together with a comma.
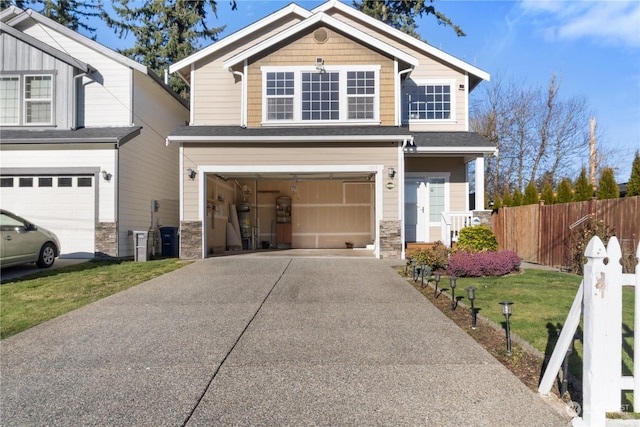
x: 506, y: 310
x: 471, y: 294
x: 452, y: 283
x: 191, y: 173
x: 392, y: 173
x: 106, y: 175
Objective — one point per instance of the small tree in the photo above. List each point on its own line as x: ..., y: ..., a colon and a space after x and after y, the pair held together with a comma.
x: 583, y: 189
x: 507, y: 200
x: 547, y: 194
x: 565, y: 191
x: 497, y: 202
x: 633, y: 186
x: 530, y: 194
x: 607, y: 187
x: 518, y: 199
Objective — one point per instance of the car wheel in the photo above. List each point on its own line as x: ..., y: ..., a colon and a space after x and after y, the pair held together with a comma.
x: 47, y: 255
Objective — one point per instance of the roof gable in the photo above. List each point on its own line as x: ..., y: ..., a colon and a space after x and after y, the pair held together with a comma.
x: 315, y: 19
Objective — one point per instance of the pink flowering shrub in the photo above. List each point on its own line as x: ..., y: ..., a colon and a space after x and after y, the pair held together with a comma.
x: 489, y: 263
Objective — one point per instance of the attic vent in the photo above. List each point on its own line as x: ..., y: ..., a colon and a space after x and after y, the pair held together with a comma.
x: 320, y: 35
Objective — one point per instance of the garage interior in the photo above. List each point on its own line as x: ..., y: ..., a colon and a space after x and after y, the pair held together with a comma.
x: 250, y: 211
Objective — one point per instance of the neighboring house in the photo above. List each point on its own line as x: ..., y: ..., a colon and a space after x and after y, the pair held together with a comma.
x: 363, y: 127
x: 83, y: 149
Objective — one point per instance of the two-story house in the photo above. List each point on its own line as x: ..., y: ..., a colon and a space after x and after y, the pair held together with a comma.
x: 325, y: 128
x: 83, y: 138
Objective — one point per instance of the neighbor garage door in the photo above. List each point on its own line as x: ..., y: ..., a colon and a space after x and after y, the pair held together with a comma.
x: 63, y: 204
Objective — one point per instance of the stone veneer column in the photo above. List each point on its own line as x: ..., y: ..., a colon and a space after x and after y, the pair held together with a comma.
x: 106, y: 236
x: 190, y: 239
x: 484, y: 216
x: 390, y: 240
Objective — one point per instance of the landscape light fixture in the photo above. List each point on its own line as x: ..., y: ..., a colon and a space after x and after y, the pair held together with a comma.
x: 471, y: 294
x: 191, y: 173
x: 437, y: 280
x: 454, y: 301
x: 506, y: 310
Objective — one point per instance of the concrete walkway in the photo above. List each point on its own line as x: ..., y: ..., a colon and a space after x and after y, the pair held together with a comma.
x: 252, y: 340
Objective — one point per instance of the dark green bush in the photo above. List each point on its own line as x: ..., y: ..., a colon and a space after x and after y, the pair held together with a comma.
x: 477, y: 239
x: 437, y: 256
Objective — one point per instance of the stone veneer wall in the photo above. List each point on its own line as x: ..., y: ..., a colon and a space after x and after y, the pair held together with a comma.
x: 191, y: 239
x: 106, y: 236
x: 390, y: 240
x: 484, y: 216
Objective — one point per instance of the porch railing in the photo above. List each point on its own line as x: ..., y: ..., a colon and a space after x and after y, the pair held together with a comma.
x: 452, y: 223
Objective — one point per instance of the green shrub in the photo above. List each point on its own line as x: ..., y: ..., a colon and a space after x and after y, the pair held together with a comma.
x: 436, y: 256
x: 477, y: 239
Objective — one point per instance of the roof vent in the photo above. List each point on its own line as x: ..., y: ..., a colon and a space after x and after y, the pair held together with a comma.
x: 320, y: 35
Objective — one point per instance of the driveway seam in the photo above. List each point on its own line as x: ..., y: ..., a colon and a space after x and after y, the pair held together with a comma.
x: 226, y: 356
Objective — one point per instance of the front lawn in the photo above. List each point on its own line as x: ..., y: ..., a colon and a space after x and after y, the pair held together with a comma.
x: 29, y: 301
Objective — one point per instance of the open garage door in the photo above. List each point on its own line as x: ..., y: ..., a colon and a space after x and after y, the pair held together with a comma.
x: 64, y: 204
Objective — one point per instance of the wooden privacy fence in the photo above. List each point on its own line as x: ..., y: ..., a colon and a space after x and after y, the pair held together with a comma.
x: 542, y: 233
x: 599, y: 301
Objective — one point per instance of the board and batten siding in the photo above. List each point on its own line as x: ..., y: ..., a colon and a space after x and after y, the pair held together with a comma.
x: 106, y: 98
x: 148, y: 168
x: 338, y: 50
x: 19, y: 58
x: 279, y: 154
x: 216, y: 92
x: 65, y: 157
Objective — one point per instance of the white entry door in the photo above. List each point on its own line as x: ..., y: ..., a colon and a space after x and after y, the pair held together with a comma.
x: 426, y: 197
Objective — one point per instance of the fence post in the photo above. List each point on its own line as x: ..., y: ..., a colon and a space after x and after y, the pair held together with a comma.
x: 613, y: 324
x: 594, y: 377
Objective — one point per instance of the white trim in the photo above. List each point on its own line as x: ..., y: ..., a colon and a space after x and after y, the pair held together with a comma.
x: 422, y: 83
x: 392, y: 32
x: 451, y: 150
x: 297, y: 138
x: 329, y: 21
x: 466, y: 102
x: 291, y: 9
x: 192, y: 98
x: 25, y: 101
x: 181, y: 182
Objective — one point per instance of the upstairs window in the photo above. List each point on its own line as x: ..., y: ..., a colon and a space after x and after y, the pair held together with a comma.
x: 26, y: 100
x: 10, y: 100
x: 37, y: 100
x: 327, y: 94
x: 431, y: 101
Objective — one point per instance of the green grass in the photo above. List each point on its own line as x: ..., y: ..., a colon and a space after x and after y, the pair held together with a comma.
x: 31, y: 300
x: 542, y: 300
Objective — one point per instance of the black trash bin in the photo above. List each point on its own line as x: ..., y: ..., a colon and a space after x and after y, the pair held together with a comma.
x: 169, y: 237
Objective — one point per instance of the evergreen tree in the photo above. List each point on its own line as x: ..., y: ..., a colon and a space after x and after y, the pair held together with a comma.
x: 530, y: 194
x: 401, y: 14
x: 633, y: 186
x: 70, y: 13
x: 564, y: 191
x: 547, y: 194
x: 607, y: 187
x: 497, y: 202
x: 507, y: 200
x: 582, y: 187
x: 165, y: 31
x: 517, y: 199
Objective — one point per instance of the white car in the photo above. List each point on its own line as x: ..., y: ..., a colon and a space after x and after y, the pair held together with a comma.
x: 23, y: 242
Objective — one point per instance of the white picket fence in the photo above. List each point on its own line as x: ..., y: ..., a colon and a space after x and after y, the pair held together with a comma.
x: 599, y: 300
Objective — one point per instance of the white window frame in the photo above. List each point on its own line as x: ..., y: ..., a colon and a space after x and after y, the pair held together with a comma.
x: 297, y: 97
x: 26, y: 100
x: 422, y: 83
x: 19, y: 101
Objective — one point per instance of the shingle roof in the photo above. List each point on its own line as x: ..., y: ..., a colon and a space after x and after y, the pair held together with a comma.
x: 449, y: 139
x: 114, y: 135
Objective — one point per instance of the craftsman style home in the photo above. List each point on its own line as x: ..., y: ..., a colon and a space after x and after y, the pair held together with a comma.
x: 83, y: 141
x: 326, y: 128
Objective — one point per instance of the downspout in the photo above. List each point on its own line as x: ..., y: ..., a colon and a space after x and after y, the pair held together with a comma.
x: 74, y: 100
x: 398, y: 96
x: 242, y: 101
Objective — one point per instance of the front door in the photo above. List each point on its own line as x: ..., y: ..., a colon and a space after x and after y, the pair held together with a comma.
x: 416, y: 227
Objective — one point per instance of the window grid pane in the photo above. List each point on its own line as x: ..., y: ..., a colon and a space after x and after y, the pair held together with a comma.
x: 37, y: 97
x: 9, y: 100
x: 431, y: 102
x: 280, y: 91
x: 320, y: 96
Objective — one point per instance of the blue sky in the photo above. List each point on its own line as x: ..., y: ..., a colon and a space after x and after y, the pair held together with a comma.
x: 593, y: 47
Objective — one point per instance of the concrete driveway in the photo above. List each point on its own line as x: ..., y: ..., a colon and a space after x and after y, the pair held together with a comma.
x: 252, y: 340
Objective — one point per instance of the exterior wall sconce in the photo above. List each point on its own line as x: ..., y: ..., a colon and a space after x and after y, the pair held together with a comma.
x: 392, y: 173
x: 107, y: 176
x: 320, y: 65
x: 191, y: 173
x: 506, y: 310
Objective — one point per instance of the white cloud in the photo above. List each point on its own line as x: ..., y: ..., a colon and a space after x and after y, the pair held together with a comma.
x: 610, y: 22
